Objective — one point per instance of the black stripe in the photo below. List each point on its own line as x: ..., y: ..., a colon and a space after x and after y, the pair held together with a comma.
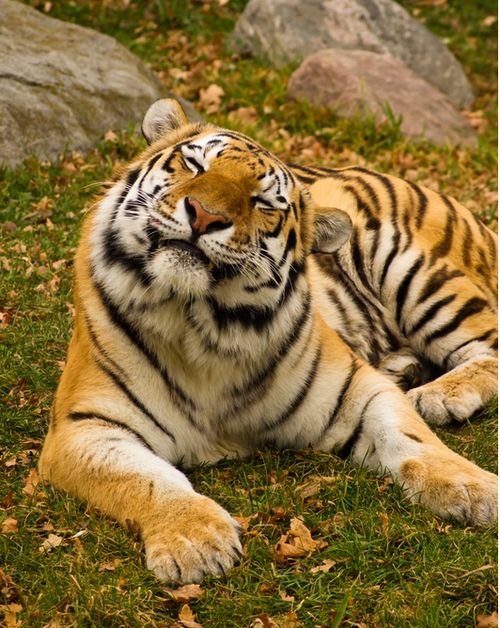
x: 100, y: 348
x: 396, y: 238
x: 467, y: 244
x: 471, y: 307
x: 300, y: 397
x: 358, y: 260
x: 115, y: 254
x: 352, y: 441
x: 444, y: 246
x: 355, y: 366
x: 431, y: 313
x: 258, y: 384
x: 82, y: 416
x: 134, y: 400
x: 404, y: 286
x: 480, y: 338
x: 153, y: 160
x: 133, y: 335
x: 255, y: 317
x: 408, y: 231
x: 436, y: 281
x: 422, y: 203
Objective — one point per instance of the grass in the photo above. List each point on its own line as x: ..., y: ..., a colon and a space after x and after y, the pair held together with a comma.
x: 386, y: 562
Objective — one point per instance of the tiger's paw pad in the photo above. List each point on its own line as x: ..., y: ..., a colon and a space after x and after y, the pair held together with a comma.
x: 453, y: 488
x: 440, y: 406
x: 197, y: 538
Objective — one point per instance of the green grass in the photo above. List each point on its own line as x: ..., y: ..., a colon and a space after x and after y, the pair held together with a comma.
x: 395, y: 563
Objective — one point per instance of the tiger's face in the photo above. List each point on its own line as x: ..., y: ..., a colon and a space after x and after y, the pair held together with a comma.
x: 204, y: 211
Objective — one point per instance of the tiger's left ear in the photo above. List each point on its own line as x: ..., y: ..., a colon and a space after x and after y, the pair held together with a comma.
x: 163, y: 116
x: 333, y: 227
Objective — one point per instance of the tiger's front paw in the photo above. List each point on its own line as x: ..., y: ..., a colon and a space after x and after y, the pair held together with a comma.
x: 195, y: 538
x: 452, y: 487
x: 439, y: 404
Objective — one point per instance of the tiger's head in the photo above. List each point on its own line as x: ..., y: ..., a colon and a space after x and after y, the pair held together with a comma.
x: 206, y: 212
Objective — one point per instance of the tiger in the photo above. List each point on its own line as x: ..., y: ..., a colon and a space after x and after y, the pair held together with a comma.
x: 227, y: 302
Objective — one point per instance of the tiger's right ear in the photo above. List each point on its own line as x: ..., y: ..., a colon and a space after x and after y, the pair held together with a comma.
x: 163, y: 116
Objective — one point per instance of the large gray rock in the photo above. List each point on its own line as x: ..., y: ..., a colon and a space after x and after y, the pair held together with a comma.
x: 290, y: 30
x: 62, y: 86
x: 355, y: 82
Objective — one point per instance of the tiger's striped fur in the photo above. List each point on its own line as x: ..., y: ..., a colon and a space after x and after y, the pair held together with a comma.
x: 224, y: 306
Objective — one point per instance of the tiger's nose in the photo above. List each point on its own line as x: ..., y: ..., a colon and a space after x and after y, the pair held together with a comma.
x: 203, y: 221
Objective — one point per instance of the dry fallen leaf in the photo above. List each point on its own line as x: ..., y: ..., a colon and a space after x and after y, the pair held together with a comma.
x: 489, y: 20
x: 109, y: 565
x: 31, y: 482
x: 186, y: 593
x: 297, y: 542
x: 285, y: 597
x: 210, y: 98
x: 487, y: 621
x: 387, y: 481
x: 264, y: 621
x: 10, y: 611
x: 9, y: 526
x: 8, y: 500
x: 247, y: 116
x: 325, y: 566
x: 52, y: 541
x: 187, y: 617
x: 384, y: 522
x: 244, y: 521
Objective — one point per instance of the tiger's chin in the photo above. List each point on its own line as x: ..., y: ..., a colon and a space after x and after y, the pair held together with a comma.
x: 186, y: 277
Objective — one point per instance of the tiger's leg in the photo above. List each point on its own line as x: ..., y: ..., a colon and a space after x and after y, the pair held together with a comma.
x: 378, y: 425
x: 186, y: 535
x: 461, y: 338
x: 403, y: 367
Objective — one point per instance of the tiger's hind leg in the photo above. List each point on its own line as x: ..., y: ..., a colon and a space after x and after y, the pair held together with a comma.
x: 455, y: 328
x: 404, y: 368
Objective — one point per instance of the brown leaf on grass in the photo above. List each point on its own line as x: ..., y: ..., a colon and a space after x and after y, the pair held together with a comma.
x: 476, y: 119
x: 110, y: 565
x: 487, y: 621
x: 314, y: 484
x: 387, y: 481
x: 5, y: 263
x: 247, y: 116
x: 264, y: 621
x: 296, y: 543
x: 9, y: 526
x: 211, y: 97
x: 31, y: 482
x: 285, y: 597
x: 5, y: 318
x: 489, y: 20
x: 55, y: 622
x: 384, y: 522
x: 185, y: 593
x: 325, y: 566
x: 8, y: 500
x: 9, y: 588
x: 244, y: 521
x: 187, y: 617
x: 10, y: 462
x: 42, y: 209
x: 10, y: 611
x: 52, y: 541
